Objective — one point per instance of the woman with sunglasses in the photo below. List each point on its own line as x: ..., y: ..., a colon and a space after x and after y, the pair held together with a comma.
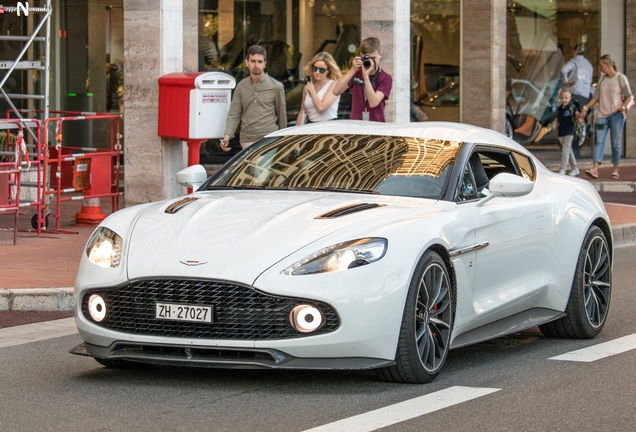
x: 318, y: 101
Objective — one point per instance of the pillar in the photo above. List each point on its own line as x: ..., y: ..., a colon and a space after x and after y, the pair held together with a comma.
x: 483, y: 63
x: 305, y: 34
x: 154, y: 41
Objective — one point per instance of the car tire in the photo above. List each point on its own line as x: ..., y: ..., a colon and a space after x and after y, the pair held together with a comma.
x: 427, y: 322
x: 589, y: 301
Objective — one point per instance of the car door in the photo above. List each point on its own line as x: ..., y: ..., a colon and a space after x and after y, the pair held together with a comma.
x: 515, y: 232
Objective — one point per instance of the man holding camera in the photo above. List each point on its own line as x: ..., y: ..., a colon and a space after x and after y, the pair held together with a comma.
x: 369, y: 85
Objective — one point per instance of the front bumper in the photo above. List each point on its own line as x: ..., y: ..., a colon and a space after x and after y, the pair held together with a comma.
x: 363, y: 308
x: 231, y: 358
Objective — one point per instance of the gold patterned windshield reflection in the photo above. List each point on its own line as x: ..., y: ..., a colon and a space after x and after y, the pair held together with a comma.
x: 345, y: 162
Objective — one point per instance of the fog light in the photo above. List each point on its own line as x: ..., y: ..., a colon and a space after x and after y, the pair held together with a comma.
x: 97, y: 307
x: 306, y: 318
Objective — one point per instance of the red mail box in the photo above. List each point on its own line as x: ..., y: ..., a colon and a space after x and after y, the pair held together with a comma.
x: 194, y: 105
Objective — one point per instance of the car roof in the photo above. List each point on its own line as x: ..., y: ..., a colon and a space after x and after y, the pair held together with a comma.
x: 451, y: 131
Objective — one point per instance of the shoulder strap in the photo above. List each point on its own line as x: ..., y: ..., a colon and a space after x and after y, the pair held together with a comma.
x: 624, y: 85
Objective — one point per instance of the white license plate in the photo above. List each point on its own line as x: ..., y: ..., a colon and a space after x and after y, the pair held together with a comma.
x: 184, y: 312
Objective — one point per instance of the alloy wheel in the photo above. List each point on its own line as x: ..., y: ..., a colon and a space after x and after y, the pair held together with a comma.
x: 597, y: 282
x: 433, y: 317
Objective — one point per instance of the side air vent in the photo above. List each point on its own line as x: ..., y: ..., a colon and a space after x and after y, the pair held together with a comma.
x: 343, y: 211
x: 178, y: 205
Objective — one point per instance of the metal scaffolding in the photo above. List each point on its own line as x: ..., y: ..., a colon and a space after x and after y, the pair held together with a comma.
x: 39, y: 28
x: 21, y: 152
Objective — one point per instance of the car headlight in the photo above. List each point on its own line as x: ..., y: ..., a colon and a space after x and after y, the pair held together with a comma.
x: 341, y: 256
x: 104, y: 248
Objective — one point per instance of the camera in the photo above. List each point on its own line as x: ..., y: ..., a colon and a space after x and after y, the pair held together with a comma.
x: 367, y: 61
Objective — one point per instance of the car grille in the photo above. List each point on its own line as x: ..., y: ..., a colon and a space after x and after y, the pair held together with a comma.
x: 240, y: 312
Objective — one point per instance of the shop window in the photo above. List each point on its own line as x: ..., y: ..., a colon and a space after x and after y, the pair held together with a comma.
x: 540, y: 38
x: 435, y: 46
x: 291, y: 36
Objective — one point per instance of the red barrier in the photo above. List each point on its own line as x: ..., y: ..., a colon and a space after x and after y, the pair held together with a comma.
x: 12, y: 162
x: 94, y: 173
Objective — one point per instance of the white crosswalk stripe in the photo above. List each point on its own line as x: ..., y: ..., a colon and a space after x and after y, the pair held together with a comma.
x: 599, y: 351
x: 406, y: 410
x: 19, y: 335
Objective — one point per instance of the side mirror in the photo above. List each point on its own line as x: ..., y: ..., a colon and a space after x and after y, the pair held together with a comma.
x: 510, y: 185
x: 507, y: 185
x: 192, y: 176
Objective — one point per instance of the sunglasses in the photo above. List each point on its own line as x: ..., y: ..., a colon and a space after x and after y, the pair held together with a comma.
x: 317, y: 69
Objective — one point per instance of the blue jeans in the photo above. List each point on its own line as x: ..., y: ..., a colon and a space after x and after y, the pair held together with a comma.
x: 613, y: 124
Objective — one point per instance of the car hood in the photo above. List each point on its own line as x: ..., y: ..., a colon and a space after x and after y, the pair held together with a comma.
x: 236, y: 235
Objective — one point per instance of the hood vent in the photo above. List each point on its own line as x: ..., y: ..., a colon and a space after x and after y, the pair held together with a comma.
x: 343, y: 211
x: 178, y: 205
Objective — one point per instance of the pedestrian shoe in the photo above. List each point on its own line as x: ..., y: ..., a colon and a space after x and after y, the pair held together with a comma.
x: 615, y: 175
x: 562, y: 171
x: 574, y: 172
x: 592, y: 173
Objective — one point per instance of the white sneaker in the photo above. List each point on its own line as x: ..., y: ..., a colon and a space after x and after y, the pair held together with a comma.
x: 562, y: 171
x: 575, y: 171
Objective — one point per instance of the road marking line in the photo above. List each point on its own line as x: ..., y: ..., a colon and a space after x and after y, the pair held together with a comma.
x: 27, y: 333
x: 406, y: 410
x: 599, y: 351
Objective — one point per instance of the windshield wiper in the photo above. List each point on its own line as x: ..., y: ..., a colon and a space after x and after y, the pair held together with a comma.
x: 225, y: 187
x: 328, y: 189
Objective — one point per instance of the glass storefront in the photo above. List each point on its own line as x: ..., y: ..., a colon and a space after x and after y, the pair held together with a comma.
x: 540, y: 35
x: 435, y: 60
x: 81, y: 71
x: 292, y: 32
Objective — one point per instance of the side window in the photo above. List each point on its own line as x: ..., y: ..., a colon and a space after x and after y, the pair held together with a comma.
x: 484, y: 164
x: 474, y: 182
x: 467, y: 189
x: 525, y: 166
x: 495, y: 162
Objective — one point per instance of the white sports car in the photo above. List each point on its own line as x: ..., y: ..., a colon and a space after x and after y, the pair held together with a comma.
x: 348, y: 245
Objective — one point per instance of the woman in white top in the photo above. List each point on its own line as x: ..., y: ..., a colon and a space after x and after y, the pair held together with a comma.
x: 318, y: 101
x: 613, y: 95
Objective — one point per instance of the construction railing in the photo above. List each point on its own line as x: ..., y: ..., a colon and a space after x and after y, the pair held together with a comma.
x: 14, y: 160
x: 78, y: 173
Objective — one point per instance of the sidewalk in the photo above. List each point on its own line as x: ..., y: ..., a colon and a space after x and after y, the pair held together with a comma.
x: 38, y: 273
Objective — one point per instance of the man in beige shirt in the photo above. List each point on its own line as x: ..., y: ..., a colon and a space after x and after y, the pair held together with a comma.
x: 258, y: 103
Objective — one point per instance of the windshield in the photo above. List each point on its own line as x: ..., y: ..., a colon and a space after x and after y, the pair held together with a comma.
x: 383, y: 165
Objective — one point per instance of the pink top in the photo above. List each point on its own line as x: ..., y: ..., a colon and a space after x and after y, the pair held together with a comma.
x: 610, y: 93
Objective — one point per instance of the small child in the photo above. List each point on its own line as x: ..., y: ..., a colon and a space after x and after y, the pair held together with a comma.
x: 567, y: 119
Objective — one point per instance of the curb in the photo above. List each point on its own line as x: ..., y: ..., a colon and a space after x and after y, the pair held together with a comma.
x: 37, y: 299
x: 624, y: 234
x: 616, y: 186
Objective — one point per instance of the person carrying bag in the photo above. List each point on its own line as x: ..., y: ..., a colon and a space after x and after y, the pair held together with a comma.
x: 614, y: 98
